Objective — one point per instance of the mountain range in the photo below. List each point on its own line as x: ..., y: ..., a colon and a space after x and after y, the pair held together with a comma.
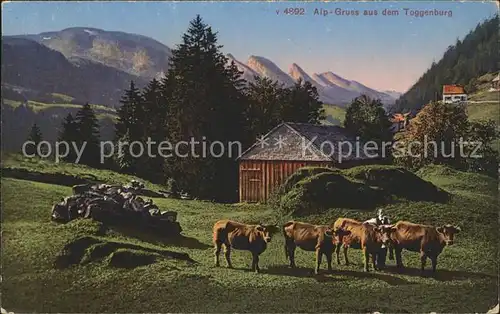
x: 95, y: 65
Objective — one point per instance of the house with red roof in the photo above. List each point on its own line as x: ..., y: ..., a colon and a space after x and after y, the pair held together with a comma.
x: 399, y: 121
x: 454, y: 94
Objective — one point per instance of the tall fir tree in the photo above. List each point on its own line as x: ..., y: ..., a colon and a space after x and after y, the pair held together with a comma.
x: 129, y: 127
x: 36, y: 137
x: 270, y: 104
x: 205, y: 103
x: 266, y: 99
x: 302, y: 104
x: 88, y: 132
x: 154, y: 131
x: 70, y: 134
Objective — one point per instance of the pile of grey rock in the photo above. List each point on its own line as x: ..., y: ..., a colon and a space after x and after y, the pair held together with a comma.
x: 115, y: 204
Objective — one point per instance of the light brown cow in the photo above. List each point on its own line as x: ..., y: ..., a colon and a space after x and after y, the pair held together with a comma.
x: 232, y: 234
x: 429, y: 241
x: 310, y: 238
x: 366, y: 236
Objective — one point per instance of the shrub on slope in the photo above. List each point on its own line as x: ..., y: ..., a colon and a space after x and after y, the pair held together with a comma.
x: 326, y: 190
x: 399, y: 182
x: 311, y: 190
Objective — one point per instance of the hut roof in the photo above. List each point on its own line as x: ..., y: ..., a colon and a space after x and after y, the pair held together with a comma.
x: 306, y: 142
x: 453, y: 89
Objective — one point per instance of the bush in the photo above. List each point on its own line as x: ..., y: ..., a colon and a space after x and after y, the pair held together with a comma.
x: 301, y: 174
x: 328, y: 190
x: 311, y: 190
x: 399, y: 182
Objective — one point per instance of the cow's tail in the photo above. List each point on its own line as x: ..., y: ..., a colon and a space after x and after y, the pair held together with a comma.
x: 286, y: 238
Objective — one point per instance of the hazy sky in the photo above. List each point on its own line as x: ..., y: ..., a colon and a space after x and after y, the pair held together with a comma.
x: 383, y: 52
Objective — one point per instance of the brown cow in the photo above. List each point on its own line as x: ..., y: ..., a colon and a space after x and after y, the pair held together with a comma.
x: 253, y: 238
x: 429, y: 241
x: 367, y: 236
x: 310, y: 238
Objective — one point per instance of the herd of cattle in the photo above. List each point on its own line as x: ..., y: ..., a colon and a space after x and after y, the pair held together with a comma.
x: 375, y: 237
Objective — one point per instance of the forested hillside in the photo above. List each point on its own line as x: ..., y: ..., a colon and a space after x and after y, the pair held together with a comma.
x: 474, y: 56
x: 17, y: 119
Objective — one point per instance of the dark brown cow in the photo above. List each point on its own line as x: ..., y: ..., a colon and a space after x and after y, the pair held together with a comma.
x: 310, y: 238
x: 429, y: 241
x: 253, y: 238
x: 367, y: 236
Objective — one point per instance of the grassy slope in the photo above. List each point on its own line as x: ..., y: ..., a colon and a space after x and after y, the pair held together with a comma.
x: 484, y: 111
x: 37, y: 106
x: 17, y: 161
x: 466, y: 282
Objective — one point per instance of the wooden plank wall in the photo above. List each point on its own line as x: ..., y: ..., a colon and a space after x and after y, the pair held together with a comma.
x: 259, y: 178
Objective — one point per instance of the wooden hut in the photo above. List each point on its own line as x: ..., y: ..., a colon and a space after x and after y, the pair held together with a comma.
x: 289, y: 146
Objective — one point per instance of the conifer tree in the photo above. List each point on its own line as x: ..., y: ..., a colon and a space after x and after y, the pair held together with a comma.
x: 128, y: 113
x: 88, y: 132
x: 204, y: 101
x: 70, y: 135
x: 36, y: 137
x: 302, y: 104
x: 154, y: 130
x: 266, y: 99
x: 129, y: 127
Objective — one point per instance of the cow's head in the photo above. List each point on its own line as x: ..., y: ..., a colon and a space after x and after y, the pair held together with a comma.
x: 337, y: 234
x: 266, y: 231
x: 387, y: 231
x: 448, y: 232
x: 381, y: 233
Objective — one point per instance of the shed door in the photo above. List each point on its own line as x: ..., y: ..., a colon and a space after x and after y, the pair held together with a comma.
x: 252, y: 183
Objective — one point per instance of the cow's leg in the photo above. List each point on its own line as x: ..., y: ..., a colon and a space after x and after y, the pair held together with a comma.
x: 345, y: 254
x: 423, y: 260
x: 399, y: 262
x: 290, y: 252
x: 391, y: 252
x: 329, y: 254
x: 292, y: 256
x: 218, y: 248
x: 366, y: 258
x: 434, y: 260
x: 374, y: 261
x: 255, y: 262
x: 381, y: 258
x: 227, y: 254
x: 319, y: 255
x: 337, y: 251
